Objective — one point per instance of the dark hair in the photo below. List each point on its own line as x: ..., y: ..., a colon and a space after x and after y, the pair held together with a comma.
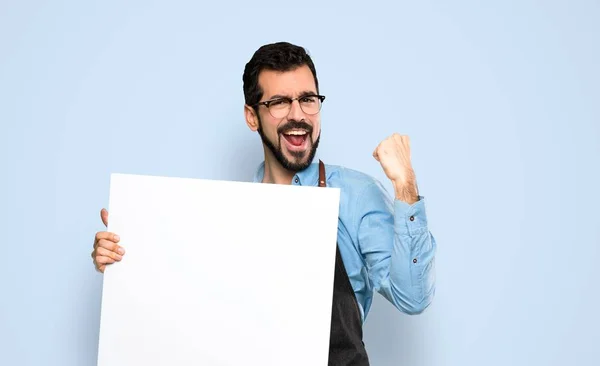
x: 280, y: 56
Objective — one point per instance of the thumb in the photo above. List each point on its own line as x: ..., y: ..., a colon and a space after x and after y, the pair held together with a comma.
x: 375, y: 155
x: 104, y: 216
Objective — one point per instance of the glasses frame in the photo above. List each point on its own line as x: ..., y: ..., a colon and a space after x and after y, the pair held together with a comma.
x: 267, y: 103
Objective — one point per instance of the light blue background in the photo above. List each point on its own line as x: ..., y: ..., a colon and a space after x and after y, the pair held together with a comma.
x: 500, y: 99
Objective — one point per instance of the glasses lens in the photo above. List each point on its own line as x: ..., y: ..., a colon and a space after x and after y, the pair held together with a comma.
x: 279, y: 108
x: 310, y: 105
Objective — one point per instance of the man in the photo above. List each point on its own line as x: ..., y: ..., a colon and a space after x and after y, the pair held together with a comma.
x: 384, y: 245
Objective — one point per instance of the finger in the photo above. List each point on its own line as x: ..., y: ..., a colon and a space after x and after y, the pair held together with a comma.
x: 98, y: 267
x: 111, y: 246
x: 407, y: 144
x: 398, y: 138
x: 103, y: 252
x: 406, y: 141
x: 105, y: 235
x: 104, y: 216
x: 104, y: 260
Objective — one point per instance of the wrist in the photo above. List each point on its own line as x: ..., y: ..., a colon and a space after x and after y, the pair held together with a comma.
x: 406, y: 191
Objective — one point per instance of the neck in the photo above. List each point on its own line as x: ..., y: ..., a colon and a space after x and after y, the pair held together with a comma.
x: 275, y: 173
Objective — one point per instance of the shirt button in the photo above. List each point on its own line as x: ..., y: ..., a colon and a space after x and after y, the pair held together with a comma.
x: 415, y: 260
x: 412, y: 218
x: 296, y: 180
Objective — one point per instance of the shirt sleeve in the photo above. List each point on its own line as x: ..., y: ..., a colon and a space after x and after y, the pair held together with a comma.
x: 397, y: 247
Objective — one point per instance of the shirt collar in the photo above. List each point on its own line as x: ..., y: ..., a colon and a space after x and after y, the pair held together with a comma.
x: 306, y: 177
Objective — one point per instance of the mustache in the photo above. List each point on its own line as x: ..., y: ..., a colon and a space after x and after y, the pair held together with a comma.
x: 295, y: 125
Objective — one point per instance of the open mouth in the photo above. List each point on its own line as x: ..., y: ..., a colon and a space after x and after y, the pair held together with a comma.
x: 296, y: 138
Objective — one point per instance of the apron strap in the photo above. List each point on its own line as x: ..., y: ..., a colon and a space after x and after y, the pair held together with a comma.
x: 322, y: 174
x: 345, y: 339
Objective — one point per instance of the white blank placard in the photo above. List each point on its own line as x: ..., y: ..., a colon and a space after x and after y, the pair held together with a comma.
x: 218, y: 273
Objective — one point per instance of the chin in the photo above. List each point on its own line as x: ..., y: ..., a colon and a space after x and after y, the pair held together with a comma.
x: 294, y: 162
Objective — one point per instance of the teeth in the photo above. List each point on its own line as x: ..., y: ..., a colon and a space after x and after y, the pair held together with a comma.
x: 297, y: 133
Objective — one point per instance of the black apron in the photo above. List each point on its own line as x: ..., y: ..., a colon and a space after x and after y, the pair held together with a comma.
x: 346, y: 347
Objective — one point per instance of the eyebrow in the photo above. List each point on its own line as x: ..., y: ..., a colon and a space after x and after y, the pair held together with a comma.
x: 303, y: 94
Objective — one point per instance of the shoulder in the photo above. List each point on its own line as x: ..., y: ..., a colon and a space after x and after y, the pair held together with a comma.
x: 353, y: 182
x: 360, y: 194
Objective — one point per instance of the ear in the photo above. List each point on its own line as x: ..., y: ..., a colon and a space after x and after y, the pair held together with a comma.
x: 251, y: 118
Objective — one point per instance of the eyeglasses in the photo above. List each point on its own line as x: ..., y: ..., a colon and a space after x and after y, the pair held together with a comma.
x: 280, y: 107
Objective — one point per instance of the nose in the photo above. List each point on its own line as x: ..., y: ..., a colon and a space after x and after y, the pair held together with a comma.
x: 296, y: 112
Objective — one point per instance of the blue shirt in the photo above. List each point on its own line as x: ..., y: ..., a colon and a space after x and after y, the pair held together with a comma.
x: 385, y: 244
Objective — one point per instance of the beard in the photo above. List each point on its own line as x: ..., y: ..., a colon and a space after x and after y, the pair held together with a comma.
x: 298, y: 163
